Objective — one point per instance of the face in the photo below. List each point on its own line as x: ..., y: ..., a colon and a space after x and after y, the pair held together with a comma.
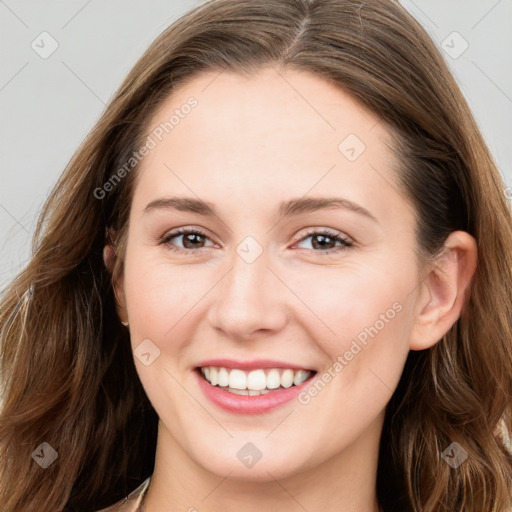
x: 269, y: 275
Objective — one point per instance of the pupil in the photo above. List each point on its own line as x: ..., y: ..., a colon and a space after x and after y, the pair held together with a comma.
x: 321, y: 237
x: 188, y: 238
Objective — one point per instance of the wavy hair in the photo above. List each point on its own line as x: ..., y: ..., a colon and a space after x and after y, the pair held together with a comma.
x: 66, y: 366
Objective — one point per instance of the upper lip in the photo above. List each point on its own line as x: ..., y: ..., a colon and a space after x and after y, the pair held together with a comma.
x: 251, y: 365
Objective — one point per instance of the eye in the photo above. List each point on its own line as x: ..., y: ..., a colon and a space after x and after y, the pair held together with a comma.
x: 194, y: 239
x: 191, y: 240
x: 326, y: 241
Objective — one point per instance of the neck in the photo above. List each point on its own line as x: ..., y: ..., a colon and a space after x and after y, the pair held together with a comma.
x: 346, y: 481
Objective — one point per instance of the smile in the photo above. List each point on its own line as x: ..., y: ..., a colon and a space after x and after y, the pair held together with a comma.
x: 255, y: 382
x: 253, y: 391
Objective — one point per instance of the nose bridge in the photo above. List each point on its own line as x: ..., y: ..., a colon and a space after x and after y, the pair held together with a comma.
x: 248, y: 297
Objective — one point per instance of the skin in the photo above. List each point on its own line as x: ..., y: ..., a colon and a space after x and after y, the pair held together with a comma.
x: 248, y: 145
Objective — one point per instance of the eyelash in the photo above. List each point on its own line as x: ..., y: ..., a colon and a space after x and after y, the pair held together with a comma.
x: 345, y: 243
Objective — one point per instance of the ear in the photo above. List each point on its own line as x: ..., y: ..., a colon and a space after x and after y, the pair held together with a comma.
x: 118, y: 287
x: 443, y: 292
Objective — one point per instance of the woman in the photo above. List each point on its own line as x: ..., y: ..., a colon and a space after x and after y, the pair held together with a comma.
x: 339, y: 339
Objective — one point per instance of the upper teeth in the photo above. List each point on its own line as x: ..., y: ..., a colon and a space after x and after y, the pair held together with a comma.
x: 256, y: 379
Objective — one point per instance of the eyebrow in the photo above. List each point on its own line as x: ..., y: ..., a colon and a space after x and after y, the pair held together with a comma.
x: 286, y: 208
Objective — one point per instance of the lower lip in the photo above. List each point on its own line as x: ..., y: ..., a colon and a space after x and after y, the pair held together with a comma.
x: 246, y: 404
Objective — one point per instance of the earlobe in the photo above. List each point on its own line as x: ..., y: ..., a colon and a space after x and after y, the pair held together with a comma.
x: 444, y: 290
x: 109, y: 260
x: 108, y: 257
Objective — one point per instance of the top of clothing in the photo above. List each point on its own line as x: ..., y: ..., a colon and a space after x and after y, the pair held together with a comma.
x: 131, y: 502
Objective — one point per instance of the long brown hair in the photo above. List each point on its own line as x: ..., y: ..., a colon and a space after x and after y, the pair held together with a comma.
x: 67, y: 371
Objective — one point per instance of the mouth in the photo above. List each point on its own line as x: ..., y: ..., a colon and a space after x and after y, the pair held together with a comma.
x: 254, y: 382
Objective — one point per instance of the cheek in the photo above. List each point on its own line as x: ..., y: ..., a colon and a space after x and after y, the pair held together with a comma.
x: 164, y: 304
x: 362, y: 322
x: 354, y: 301
x: 160, y: 295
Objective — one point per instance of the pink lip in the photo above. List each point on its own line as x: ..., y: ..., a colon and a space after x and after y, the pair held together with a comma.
x: 245, y: 404
x: 250, y: 365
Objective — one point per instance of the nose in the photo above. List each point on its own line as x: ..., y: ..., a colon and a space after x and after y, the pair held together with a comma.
x: 250, y: 299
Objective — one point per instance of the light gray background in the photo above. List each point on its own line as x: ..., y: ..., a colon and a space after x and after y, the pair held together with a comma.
x: 48, y: 105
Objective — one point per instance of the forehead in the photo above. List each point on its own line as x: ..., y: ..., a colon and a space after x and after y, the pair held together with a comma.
x: 269, y: 135
x: 278, y: 108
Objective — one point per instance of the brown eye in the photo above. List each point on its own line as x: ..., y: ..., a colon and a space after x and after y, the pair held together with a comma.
x: 325, y: 242
x: 192, y: 239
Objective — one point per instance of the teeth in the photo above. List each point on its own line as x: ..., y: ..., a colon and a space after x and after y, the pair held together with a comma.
x: 287, y: 378
x: 214, y: 376
x: 239, y: 391
x: 237, y: 379
x: 300, y: 377
x: 223, y: 377
x: 249, y: 392
x: 273, y: 379
x: 254, y: 382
